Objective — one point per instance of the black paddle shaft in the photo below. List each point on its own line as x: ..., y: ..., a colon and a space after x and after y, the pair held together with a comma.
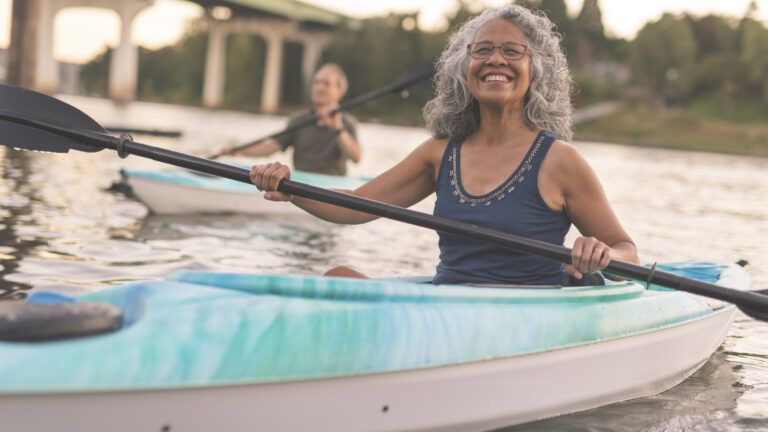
x: 85, y: 138
x: 753, y: 304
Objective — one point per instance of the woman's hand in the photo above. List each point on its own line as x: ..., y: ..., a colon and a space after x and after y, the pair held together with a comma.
x: 267, y: 178
x: 589, y: 255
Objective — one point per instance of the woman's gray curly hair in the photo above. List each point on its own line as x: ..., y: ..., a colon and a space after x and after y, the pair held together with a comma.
x: 455, y: 112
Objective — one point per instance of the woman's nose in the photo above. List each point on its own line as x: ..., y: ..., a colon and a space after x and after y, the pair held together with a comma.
x: 496, y: 58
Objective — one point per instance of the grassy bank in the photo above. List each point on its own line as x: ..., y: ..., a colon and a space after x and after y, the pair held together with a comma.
x: 677, y: 129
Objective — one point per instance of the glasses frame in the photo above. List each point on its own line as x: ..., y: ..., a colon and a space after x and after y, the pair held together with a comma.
x: 493, y: 48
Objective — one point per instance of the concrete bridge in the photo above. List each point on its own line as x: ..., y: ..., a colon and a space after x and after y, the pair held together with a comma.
x: 31, y: 61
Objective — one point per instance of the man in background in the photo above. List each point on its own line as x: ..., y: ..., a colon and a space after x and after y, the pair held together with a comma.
x: 326, y: 145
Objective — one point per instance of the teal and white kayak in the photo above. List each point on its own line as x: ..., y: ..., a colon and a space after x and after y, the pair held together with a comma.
x: 176, y: 191
x: 205, y: 351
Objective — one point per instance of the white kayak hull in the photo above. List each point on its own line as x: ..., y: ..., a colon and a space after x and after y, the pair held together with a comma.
x: 474, y: 396
x: 176, y: 192
x: 165, y: 198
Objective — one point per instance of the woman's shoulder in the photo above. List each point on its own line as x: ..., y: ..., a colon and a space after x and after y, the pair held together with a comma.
x: 432, y: 145
x: 567, y: 167
x: 435, y: 143
x: 564, y: 160
x: 431, y: 151
x: 562, y: 152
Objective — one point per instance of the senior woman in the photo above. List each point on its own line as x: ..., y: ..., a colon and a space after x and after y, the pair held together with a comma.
x: 497, y: 158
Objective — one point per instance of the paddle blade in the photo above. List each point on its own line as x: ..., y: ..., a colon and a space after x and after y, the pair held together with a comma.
x: 27, y: 104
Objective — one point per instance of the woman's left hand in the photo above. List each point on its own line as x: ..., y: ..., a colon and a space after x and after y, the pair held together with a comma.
x: 589, y: 255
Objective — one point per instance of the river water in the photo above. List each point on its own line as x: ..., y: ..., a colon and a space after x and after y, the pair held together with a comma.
x: 60, y: 230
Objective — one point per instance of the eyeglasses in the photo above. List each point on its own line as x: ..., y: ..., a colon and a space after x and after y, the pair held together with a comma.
x: 509, y: 50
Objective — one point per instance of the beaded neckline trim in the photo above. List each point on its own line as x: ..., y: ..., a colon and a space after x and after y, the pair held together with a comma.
x: 499, y: 193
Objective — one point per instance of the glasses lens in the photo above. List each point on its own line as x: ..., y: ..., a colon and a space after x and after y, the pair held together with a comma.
x: 481, y: 49
x: 512, y: 51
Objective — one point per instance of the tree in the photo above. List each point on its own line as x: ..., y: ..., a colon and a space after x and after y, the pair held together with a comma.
x: 755, y: 54
x: 713, y: 35
x: 466, y: 10
x: 591, y: 42
x: 663, y: 56
x: 94, y: 75
x: 174, y: 74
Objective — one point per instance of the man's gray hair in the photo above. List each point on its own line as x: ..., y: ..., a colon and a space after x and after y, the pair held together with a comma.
x: 343, y: 82
x: 455, y: 112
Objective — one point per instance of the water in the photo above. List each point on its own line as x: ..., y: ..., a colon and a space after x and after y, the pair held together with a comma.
x: 59, y: 230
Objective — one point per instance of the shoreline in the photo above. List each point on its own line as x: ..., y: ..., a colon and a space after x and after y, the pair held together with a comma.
x: 676, y: 130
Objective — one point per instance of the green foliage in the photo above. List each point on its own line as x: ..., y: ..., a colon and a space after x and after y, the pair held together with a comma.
x: 293, y: 91
x: 590, y: 21
x: 592, y: 90
x: 726, y: 106
x: 714, y: 65
x: 174, y: 74
x: 244, y: 70
x: 466, y: 10
x: 381, y: 50
x: 94, y: 76
x: 681, y: 129
x: 755, y: 54
x: 721, y: 74
x: 713, y: 35
x: 663, y: 56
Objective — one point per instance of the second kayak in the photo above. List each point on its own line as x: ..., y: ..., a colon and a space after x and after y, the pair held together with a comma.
x: 176, y: 191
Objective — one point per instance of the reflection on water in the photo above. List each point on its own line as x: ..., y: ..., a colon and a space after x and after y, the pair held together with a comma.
x: 291, y: 244
x: 16, y: 194
x: 60, y: 230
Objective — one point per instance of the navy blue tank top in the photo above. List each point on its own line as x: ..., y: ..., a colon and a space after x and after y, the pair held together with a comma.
x: 515, y: 207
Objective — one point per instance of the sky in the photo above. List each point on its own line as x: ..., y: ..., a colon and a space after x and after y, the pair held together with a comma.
x: 82, y: 33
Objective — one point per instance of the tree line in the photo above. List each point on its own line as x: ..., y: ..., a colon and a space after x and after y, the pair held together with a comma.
x: 714, y: 64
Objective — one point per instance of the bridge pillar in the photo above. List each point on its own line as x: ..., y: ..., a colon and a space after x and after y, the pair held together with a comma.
x: 270, y: 87
x: 46, y: 68
x: 124, y: 65
x: 213, y: 86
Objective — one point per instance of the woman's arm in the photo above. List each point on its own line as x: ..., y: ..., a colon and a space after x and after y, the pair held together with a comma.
x: 405, y: 184
x: 569, y: 183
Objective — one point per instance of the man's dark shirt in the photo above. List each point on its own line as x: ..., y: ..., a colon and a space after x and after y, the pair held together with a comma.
x: 316, y: 149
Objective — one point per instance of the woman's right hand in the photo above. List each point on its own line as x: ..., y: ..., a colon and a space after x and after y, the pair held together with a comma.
x: 267, y: 178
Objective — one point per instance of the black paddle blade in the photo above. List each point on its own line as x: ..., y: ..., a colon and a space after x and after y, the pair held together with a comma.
x: 27, y: 104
